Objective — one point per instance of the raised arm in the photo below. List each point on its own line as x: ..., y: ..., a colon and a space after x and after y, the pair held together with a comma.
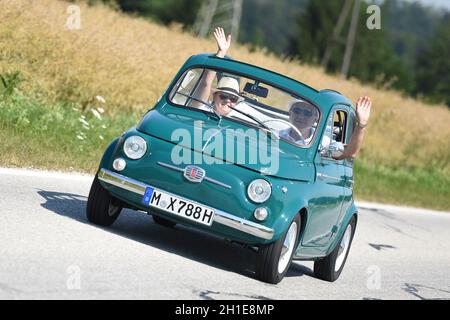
x: 363, y: 107
x: 204, y: 88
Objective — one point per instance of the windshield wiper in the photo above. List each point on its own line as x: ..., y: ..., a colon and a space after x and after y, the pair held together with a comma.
x: 202, y: 102
x: 262, y: 124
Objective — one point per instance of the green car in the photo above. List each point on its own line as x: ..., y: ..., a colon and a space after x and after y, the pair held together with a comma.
x: 263, y: 175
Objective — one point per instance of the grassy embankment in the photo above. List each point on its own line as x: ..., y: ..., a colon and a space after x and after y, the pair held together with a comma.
x: 50, y: 117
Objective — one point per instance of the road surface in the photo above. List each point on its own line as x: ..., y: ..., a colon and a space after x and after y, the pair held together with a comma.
x: 48, y: 250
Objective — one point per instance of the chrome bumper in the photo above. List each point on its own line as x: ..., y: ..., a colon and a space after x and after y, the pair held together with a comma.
x: 221, y: 217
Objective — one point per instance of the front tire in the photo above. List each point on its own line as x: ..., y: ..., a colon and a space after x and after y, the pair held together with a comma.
x: 330, y: 267
x: 274, y: 259
x: 102, y: 208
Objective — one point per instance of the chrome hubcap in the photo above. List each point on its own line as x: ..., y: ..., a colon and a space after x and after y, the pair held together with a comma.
x: 343, y: 248
x: 288, y: 247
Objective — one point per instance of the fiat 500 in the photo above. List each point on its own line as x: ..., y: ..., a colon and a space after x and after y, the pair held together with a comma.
x: 263, y: 175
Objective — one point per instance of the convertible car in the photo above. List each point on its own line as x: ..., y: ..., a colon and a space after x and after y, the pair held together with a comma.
x: 252, y: 177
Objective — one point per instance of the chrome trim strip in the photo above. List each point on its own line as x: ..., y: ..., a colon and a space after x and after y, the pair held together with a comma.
x: 217, y: 182
x: 324, y: 176
x: 121, y: 181
x: 220, y: 216
x: 169, y: 166
x: 243, y: 225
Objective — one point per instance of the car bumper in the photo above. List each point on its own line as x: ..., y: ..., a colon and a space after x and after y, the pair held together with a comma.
x: 220, y: 216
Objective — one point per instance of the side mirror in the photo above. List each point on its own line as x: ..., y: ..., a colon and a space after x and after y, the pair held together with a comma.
x: 334, y: 150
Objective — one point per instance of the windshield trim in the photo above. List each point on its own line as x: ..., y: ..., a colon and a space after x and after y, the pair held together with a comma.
x: 177, y: 83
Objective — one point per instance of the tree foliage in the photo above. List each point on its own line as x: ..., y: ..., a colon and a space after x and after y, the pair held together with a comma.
x: 400, y: 55
x: 373, y: 59
x: 164, y: 11
x: 433, y: 67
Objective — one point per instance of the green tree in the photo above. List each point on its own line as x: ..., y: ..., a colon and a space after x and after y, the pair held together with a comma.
x: 270, y: 24
x: 373, y: 60
x: 164, y: 11
x: 433, y: 66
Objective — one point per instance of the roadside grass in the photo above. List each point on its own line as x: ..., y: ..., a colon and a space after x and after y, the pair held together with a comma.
x: 130, y: 61
x: 402, y: 186
x: 65, y: 137
x: 60, y: 136
x: 50, y: 77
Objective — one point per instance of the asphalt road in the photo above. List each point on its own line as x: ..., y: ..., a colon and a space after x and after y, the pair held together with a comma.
x: 48, y: 250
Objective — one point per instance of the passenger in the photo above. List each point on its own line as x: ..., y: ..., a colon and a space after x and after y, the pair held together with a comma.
x: 304, y: 117
x: 203, y: 90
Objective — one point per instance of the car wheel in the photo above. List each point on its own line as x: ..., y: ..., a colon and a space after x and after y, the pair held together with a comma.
x: 274, y: 259
x: 102, y: 208
x: 330, y: 267
x: 163, y: 222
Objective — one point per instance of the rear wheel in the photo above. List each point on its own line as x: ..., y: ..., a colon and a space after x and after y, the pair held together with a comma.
x: 274, y: 259
x: 163, y: 222
x: 330, y: 267
x: 102, y: 208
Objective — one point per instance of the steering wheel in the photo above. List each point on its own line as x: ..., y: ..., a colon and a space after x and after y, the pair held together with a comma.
x: 290, y: 125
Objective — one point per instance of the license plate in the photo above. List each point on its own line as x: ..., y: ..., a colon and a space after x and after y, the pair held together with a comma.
x: 180, y: 207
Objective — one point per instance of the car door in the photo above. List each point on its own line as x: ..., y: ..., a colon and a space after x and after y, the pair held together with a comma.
x: 325, y: 207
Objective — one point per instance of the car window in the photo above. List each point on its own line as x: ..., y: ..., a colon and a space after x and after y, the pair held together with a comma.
x: 340, y: 124
x: 264, y: 102
x: 335, y: 130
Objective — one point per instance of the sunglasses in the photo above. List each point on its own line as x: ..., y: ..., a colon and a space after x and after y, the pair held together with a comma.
x: 226, y: 96
x: 306, y: 113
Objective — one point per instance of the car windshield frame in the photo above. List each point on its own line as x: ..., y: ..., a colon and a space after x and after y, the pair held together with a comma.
x: 170, y: 93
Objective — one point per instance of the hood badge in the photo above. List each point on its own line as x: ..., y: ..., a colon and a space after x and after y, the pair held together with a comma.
x: 190, y: 173
x: 194, y: 174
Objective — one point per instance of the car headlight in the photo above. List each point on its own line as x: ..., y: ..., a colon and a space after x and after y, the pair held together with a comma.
x: 259, y: 190
x: 135, y: 147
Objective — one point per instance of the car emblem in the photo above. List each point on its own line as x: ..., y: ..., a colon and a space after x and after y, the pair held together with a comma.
x: 194, y: 174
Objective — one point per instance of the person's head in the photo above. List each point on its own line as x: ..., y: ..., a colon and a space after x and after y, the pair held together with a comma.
x: 226, y: 95
x: 302, y: 114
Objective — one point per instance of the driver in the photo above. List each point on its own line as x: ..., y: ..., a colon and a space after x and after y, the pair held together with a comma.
x: 304, y: 117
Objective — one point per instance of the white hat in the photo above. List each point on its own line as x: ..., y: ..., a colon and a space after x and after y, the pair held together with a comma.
x: 297, y: 102
x: 228, y: 85
x: 303, y: 103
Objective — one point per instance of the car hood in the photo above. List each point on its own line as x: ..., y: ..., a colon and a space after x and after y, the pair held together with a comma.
x: 224, y: 140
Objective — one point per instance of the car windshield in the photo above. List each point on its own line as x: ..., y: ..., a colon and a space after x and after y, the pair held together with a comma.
x: 249, y: 101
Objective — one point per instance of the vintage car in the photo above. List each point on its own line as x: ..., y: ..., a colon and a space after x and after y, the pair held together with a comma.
x: 239, y: 177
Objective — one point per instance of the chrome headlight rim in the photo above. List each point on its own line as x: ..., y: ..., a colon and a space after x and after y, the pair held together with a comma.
x: 267, y: 190
x: 135, y: 141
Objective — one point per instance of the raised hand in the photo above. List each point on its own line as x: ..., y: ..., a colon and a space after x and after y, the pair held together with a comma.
x: 223, y: 42
x: 363, y: 106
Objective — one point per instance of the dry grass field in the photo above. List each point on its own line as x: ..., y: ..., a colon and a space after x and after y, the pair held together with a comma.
x: 130, y: 61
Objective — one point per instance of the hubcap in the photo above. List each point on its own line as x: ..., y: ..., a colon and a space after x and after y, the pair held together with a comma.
x: 343, y: 248
x: 288, y: 247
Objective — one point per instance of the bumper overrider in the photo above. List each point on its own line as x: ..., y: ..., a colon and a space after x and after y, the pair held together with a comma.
x: 220, y: 216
